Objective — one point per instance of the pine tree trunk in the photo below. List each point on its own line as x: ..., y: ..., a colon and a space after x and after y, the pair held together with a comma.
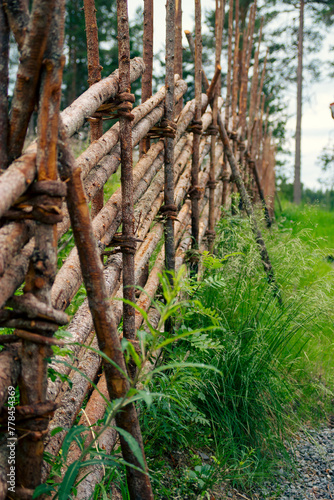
x: 297, y: 189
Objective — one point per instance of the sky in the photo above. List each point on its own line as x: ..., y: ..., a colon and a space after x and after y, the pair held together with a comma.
x: 317, y: 124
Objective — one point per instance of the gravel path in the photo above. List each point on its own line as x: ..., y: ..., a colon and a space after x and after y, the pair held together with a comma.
x: 315, y: 465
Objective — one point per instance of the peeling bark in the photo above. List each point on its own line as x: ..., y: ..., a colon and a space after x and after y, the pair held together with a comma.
x: 43, y: 265
x: 178, y: 48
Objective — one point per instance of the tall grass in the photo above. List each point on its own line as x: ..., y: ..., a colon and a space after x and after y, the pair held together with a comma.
x: 272, y: 376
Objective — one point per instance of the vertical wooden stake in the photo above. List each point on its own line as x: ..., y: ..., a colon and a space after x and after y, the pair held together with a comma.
x: 178, y: 49
x: 297, y: 188
x: 125, y: 133
x: 229, y: 65
x: 169, y: 141
x: 219, y: 24
x: 247, y: 52
x: 254, y: 86
x: 146, y: 86
x: 235, y: 81
x: 24, y: 98
x: 43, y: 265
x: 103, y: 318
x: 195, y: 192
x: 94, y: 75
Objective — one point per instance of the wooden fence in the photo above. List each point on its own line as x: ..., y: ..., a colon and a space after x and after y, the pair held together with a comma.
x: 192, y: 158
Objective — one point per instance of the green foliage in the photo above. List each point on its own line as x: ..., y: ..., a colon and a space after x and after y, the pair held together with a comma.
x: 75, y: 71
x: 272, y: 374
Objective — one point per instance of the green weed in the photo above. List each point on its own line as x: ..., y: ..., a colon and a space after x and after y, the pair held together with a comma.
x: 272, y: 376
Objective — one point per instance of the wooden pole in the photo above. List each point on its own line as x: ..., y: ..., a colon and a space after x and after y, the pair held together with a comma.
x: 94, y: 76
x: 169, y: 209
x: 18, y: 18
x: 297, y: 188
x: 128, y: 245
x: 24, y: 98
x: 195, y: 193
x: 43, y: 265
x: 219, y: 24
x: 235, y: 81
x: 146, y: 87
x: 178, y: 48
x: 254, y: 86
x: 229, y: 65
x: 247, y: 51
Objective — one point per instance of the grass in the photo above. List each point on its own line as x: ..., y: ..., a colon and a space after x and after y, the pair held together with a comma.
x: 275, y: 368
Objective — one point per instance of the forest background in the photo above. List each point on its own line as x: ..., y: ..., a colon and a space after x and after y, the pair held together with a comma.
x: 280, y: 36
